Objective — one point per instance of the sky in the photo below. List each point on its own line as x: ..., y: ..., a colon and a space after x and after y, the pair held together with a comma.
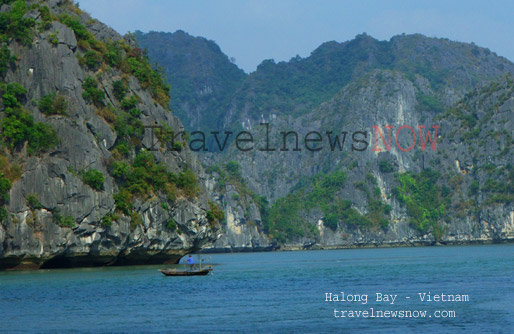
x: 254, y: 30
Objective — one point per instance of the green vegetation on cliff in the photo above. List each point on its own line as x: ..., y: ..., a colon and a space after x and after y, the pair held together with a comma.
x: 288, y: 217
x: 53, y: 104
x: 5, y: 186
x: 18, y: 126
x: 144, y: 176
x: 14, y: 25
x: 18, y: 130
x: 426, y: 202
x: 214, y: 214
x: 120, y: 55
x: 378, y: 211
x: 499, y: 186
x: 93, y: 178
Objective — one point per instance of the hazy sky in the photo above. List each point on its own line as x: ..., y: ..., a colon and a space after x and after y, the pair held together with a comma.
x: 254, y: 30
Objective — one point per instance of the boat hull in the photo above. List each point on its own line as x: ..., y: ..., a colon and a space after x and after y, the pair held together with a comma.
x: 173, y: 272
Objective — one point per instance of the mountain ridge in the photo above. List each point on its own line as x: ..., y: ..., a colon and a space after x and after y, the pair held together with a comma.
x: 408, y: 80
x: 84, y: 182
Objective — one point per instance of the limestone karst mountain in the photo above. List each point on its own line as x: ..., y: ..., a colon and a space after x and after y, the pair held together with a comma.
x: 461, y: 192
x: 81, y: 185
x: 92, y: 172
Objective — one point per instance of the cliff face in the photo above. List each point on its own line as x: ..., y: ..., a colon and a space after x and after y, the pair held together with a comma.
x: 242, y: 229
x: 459, y: 192
x: 85, y: 181
x: 97, y: 194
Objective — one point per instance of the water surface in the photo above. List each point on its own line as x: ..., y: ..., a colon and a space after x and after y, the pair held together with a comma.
x: 279, y: 292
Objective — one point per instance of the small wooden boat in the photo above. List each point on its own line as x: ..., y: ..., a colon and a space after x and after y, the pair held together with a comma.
x: 196, y: 272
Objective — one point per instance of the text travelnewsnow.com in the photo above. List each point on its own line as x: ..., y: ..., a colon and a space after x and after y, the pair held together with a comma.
x: 391, y: 299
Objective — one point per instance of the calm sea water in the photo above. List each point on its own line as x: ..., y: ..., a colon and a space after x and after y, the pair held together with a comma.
x: 282, y: 292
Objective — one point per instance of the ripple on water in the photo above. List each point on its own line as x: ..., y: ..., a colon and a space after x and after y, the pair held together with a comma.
x: 268, y: 292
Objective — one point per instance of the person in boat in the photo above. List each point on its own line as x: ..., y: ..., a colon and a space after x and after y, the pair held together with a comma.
x: 191, y: 262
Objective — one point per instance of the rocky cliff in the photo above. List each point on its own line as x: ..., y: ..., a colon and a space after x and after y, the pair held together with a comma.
x: 84, y: 181
x: 92, y: 172
x: 461, y: 191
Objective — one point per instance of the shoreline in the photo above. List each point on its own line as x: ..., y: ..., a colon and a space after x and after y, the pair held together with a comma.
x: 290, y: 248
x: 28, y: 265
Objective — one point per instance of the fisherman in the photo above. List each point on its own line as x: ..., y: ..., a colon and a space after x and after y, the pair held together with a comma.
x: 191, y: 262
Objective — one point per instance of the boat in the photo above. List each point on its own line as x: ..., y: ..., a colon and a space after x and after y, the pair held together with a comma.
x: 196, y: 272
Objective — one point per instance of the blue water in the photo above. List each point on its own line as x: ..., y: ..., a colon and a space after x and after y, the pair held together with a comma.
x: 280, y: 292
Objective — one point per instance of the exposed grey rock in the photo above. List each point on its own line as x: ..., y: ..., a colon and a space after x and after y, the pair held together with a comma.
x: 242, y: 229
x: 31, y: 238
